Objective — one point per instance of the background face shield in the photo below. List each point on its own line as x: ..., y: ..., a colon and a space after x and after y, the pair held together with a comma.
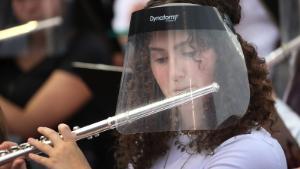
x: 25, y: 20
x: 164, y: 63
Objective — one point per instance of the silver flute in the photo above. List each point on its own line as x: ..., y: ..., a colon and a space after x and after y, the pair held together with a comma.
x: 29, y: 27
x: 121, y: 119
x: 282, y: 52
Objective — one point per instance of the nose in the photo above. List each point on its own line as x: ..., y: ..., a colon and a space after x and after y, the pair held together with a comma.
x: 177, y: 70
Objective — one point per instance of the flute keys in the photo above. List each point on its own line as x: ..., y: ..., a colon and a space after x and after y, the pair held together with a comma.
x: 24, y: 145
x: 14, y: 148
x: 76, y: 128
x: 43, y: 138
x: 3, y: 152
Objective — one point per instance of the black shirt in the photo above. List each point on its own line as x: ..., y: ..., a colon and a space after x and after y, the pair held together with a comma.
x: 19, y: 87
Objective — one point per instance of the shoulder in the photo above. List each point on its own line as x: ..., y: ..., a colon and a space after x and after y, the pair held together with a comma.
x: 255, y: 150
x: 87, y: 48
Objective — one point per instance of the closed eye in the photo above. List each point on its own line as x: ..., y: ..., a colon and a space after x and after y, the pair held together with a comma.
x: 158, y: 55
x: 162, y: 60
x: 189, y: 53
x: 187, y: 50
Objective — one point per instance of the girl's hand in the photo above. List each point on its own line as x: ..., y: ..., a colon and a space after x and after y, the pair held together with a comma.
x: 18, y: 163
x: 64, y: 154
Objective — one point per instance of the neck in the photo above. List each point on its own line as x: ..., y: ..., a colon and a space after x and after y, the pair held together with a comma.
x: 192, y: 116
x: 35, y: 52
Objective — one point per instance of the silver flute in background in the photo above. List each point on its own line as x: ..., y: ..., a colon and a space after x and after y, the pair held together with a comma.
x: 29, y: 27
x: 280, y: 53
x: 97, y: 66
x: 119, y: 120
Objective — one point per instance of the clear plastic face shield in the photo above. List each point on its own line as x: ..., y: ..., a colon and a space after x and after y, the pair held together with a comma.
x: 29, y: 24
x: 177, y: 49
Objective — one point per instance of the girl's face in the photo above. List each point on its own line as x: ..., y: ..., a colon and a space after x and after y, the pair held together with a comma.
x: 27, y: 10
x: 179, y: 64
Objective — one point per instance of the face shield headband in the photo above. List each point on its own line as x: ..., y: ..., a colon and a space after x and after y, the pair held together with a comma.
x: 177, y: 18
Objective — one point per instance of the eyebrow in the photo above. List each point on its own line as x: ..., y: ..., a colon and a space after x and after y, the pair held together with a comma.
x: 157, y: 49
x: 176, y: 46
x: 181, y: 44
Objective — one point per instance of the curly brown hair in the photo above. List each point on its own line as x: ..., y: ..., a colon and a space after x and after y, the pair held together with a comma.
x: 141, y: 150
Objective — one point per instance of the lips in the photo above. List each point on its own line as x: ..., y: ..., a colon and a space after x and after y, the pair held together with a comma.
x: 183, y: 90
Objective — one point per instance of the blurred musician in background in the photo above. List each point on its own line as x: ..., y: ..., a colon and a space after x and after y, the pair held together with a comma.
x: 39, y: 85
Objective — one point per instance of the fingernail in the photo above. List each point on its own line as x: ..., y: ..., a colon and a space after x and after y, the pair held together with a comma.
x: 31, y: 139
x: 40, y: 128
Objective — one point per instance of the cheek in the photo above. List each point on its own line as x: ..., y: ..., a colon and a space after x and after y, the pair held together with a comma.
x: 204, y: 71
x: 201, y: 74
x: 52, y: 8
x: 18, y: 9
x: 161, y: 76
